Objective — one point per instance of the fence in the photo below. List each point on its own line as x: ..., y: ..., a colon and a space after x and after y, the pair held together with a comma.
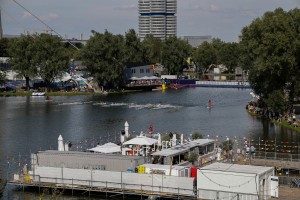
x: 277, y: 156
x: 106, y: 181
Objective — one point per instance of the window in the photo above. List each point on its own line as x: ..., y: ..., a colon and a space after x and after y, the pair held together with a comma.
x: 147, y: 70
x: 141, y: 71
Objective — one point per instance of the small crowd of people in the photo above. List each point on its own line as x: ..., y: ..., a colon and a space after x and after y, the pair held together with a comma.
x: 258, y: 109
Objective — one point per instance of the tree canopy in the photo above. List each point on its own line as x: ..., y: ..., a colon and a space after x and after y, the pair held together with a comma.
x: 104, y: 57
x: 175, y: 53
x: 270, y: 48
x: 38, y: 55
x: 152, y: 48
x: 216, y: 52
x: 22, y: 51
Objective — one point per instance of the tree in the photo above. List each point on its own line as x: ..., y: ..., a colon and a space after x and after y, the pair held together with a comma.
x: 103, y: 56
x: 270, y: 48
x: 175, y: 53
x: 228, y: 55
x: 22, y: 52
x: 152, y: 49
x: 2, y: 77
x: 50, y: 57
x: 197, y: 135
x: 205, y: 55
x: 133, y: 48
x: 4, y: 46
x: 276, y: 101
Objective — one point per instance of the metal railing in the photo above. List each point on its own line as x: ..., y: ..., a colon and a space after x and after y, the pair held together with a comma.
x: 103, y: 186
x: 277, y: 156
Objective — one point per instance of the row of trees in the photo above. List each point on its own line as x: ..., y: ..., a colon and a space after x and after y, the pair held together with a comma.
x: 269, y: 49
x: 106, y: 55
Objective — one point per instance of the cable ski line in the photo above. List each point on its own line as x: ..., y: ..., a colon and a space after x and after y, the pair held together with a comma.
x: 51, y: 29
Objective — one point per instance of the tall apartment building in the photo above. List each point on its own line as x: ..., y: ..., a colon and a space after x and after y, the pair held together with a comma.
x: 158, y: 18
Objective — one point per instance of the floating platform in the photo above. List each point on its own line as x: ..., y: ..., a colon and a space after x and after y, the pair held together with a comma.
x: 224, y: 84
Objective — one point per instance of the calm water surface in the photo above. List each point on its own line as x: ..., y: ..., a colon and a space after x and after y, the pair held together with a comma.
x: 28, y: 124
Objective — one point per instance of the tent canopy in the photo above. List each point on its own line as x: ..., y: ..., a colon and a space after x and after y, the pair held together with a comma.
x: 141, y: 140
x: 106, y: 148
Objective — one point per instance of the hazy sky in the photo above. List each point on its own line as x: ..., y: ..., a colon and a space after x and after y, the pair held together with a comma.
x: 223, y: 19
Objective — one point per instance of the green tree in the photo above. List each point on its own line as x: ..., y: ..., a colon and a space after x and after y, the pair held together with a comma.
x: 228, y: 55
x: 104, y: 57
x: 4, y: 46
x: 270, y: 48
x: 197, y: 135
x: 174, y: 54
x: 152, y: 49
x: 133, y: 48
x: 50, y: 57
x: 276, y: 101
x: 22, y: 52
x: 204, y: 56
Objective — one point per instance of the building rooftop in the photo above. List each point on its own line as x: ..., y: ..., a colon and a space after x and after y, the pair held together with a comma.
x: 247, y: 169
x: 179, y: 149
x: 79, y: 154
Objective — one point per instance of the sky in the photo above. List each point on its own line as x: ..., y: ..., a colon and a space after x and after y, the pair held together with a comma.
x: 222, y: 19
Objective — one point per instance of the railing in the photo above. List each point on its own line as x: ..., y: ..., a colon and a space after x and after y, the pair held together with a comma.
x: 103, y: 186
x: 277, y: 156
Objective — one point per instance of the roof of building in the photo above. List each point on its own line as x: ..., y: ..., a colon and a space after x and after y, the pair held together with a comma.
x: 179, y: 149
x: 72, y: 154
x: 246, y: 169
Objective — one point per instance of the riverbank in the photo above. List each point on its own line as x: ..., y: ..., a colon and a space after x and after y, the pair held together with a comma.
x: 29, y: 93
x: 283, y: 123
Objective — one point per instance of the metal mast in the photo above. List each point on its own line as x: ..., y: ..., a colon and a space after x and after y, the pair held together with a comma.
x: 1, y: 31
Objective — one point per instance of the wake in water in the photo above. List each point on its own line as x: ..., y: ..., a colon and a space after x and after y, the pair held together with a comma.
x: 129, y: 105
x: 137, y: 106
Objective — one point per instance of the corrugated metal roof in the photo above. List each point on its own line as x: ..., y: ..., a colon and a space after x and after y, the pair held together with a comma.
x: 247, y: 169
x: 179, y: 149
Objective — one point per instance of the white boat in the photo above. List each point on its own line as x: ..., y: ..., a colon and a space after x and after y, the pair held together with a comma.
x: 38, y: 94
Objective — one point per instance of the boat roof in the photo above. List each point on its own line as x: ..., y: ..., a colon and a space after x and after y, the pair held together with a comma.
x: 179, y: 149
x: 246, y: 169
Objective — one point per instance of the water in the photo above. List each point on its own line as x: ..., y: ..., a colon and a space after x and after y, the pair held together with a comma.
x: 29, y: 124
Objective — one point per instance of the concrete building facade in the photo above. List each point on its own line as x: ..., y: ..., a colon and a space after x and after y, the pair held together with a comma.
x: 157, y: 18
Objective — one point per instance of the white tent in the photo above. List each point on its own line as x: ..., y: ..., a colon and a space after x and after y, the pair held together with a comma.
x: 106, y: 148
x: 141, y: 140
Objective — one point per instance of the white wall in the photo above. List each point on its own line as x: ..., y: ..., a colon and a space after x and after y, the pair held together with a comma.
x: 99, y: 178
x: 213, y: 184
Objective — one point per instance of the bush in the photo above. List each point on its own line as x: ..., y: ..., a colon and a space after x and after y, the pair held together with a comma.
x: 192, y: 157
x: 197, y: 135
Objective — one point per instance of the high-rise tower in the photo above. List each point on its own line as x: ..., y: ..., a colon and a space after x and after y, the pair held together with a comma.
x: 158, y: 18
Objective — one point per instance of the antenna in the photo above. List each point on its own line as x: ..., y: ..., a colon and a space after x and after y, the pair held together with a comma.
x: 1, y: 30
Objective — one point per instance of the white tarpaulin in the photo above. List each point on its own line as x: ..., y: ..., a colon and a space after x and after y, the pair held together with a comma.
x: 141, y: 140
x: 106, y: 148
